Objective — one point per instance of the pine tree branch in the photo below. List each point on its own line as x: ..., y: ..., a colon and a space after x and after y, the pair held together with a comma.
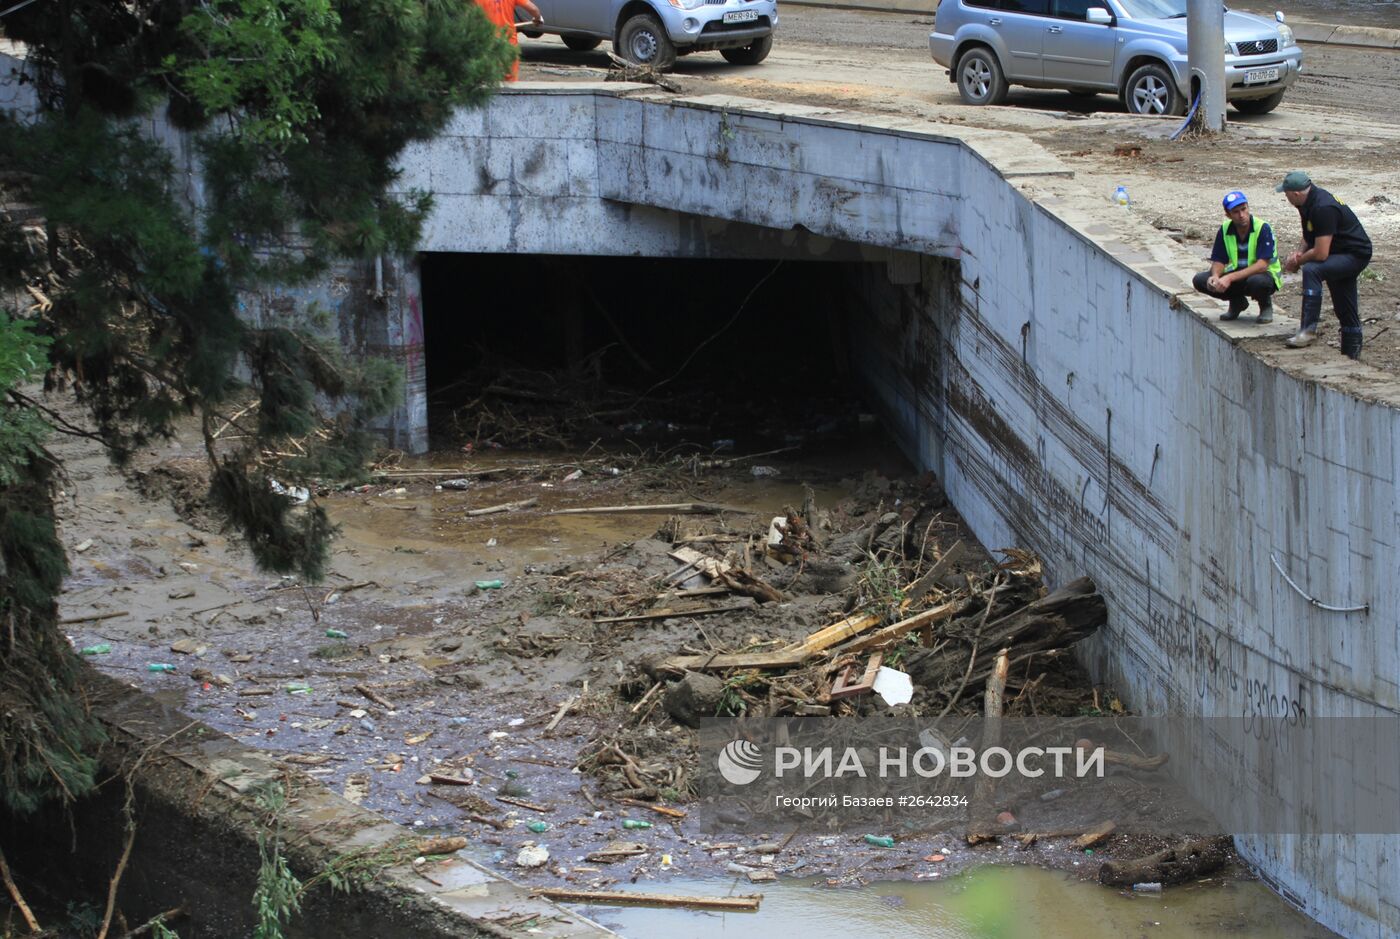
x: 59, y: 424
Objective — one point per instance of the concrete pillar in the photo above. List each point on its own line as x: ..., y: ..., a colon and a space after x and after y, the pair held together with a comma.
x: 1205, y: 51
x: 402, y: 299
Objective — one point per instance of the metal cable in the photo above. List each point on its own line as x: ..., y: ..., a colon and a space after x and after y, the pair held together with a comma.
x: 1313, y: 601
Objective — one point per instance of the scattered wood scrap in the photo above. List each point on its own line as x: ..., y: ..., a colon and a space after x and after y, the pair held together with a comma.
x: 738, y: 904
x: 1094, y: 836
x: 503, y: 507
x: 441, y: 845
x: 374, y: 696
x: 670, y: 508
x: 667, y: 613
x: 533, y: 807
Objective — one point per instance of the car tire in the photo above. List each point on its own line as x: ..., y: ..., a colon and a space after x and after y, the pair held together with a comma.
x: 643, y: 41
x: 581, y: 43
x: 752, y: 54
x: 1152, y: 90
x: 980, y: 78
x: 531, y: 33
x: 1259, y: 105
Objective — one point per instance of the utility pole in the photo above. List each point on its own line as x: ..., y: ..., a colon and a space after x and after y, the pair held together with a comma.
x: 1205, y: 52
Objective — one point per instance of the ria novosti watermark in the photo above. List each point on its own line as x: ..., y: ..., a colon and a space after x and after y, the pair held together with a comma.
x: 741, y: 762
x: 1170, y: 775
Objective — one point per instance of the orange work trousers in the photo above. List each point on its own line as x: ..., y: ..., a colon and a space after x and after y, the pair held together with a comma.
x: 502, y: 13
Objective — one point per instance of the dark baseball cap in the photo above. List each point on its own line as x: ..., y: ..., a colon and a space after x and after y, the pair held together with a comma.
x: 1295, y: 181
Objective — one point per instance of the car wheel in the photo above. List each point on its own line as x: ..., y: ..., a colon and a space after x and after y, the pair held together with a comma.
x: 980, y: 79
x: 1259, y: 105
x: 1152, y: 90
x: 752, y: 54
x: 531, y: 33
x: 643, y: 41
x: 581, y: 43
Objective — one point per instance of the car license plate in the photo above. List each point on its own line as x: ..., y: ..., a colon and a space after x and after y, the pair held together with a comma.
x: 1257, y: 75
x: 746, y: 16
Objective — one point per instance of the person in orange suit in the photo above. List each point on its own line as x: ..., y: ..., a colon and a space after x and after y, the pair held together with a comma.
x: 502, y: 13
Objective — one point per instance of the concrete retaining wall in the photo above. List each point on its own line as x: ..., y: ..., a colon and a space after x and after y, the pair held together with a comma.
x: 1048, y: 362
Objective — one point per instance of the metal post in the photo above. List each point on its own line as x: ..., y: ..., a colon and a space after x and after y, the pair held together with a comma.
x: 1205, y: 51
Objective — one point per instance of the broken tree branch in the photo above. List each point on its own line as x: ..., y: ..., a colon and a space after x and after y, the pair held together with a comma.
x: 17, y: 896
x: 738, y: 904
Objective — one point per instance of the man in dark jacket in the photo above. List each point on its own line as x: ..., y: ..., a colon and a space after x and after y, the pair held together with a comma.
x: 1335, y: 249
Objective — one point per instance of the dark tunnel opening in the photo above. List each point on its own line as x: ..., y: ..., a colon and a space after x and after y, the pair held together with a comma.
x: 541, y: 349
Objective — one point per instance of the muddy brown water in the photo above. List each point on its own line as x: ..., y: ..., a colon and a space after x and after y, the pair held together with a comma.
x: 428, y: 642
x: 988, y: 903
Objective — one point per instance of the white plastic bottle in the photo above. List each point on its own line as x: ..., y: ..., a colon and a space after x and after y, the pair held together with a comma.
x: 1120, y: 196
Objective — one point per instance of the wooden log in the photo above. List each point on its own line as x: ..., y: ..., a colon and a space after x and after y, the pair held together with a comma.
x: 503, y: 507
x: 1173, y: 866
x: 984, y: 793
x: 542, y: 809
x: 1056, y: 621
x: 836, y: 633
x: 96, y: 617
x: 736, y: 904
x: 374, y: 696
x: 741, y: 581
x: 564, y: 708
x: 670, y: 508
x: 441, y: 845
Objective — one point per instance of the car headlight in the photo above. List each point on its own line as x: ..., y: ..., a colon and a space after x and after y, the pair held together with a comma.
x: 687, y: 4
x: 1285, y: 37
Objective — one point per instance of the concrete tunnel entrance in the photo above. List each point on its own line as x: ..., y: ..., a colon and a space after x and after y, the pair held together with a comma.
x: 627, y: 348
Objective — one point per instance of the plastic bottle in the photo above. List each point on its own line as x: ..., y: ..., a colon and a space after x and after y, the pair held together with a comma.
x: 635, y: 823
x: 160, y: 667
x: 490, y: 584
x: 880, y: 841
x: 298, y: 687
x: 337, y: 634
x: 99, y: 649
x: 1147, y: 888
x: 538, y: 827
x: 1120, y: 196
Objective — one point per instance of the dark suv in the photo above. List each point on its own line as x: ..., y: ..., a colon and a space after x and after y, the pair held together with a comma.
x: 1135, y: 49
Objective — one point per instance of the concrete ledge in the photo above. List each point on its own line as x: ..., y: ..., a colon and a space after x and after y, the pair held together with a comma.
x: 196, y: 842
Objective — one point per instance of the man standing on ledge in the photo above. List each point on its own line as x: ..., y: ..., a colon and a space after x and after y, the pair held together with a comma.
x: 1242, y: 235
x: 502, y: 13
x: 1335, y: 249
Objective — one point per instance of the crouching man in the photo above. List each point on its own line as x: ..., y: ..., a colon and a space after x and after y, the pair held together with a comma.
x: 1244, y: 263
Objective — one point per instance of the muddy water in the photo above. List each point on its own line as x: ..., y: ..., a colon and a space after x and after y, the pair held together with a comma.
x: 989, y: 903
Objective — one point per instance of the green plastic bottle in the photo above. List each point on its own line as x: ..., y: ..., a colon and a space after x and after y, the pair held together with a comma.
x: 160, y: 667
x: 490, y: 584
x: 635, y: 823
x: 99, y: 649
x: 880, y: 841
x: 538, y: 827
x: 337, y: 634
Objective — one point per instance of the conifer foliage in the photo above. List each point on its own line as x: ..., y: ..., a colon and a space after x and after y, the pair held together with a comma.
x: 295, y: 112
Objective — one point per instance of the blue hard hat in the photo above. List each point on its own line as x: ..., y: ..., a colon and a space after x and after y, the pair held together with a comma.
x: 1232, y: 199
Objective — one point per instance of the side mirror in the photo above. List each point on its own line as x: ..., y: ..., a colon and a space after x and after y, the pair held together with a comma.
x: 1278, y: 15
x: 1098, y: 15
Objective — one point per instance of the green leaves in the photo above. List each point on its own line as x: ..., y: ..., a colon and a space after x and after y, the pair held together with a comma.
x: 23, y: 357
x: 256, y: 61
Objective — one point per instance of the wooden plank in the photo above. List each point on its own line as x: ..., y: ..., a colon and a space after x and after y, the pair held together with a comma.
x: 779, y: 658
x: 829, y: 636
x: 670, y: 508
x: 737, y: 904
x: 665, y: 614
x: 915, y: 591
x: 891, y: 633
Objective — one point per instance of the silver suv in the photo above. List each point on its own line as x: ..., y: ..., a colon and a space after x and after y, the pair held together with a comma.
x: 654, y: 32
x: 1135, y: 49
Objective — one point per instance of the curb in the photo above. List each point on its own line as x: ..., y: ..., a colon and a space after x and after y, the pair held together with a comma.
x: 1369, y: 37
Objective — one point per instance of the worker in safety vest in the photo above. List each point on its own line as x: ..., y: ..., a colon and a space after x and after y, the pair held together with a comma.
x: 1244, y: 263
x: 1335, y: 250
x: 502, y: 13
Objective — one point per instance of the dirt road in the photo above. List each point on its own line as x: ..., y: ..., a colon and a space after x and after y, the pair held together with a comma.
x: 1341, y: 122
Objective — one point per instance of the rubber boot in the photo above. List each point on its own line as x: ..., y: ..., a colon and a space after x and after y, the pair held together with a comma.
x: 1351, y: 343
x: 1237, y: 306
x: 1266, y: 311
